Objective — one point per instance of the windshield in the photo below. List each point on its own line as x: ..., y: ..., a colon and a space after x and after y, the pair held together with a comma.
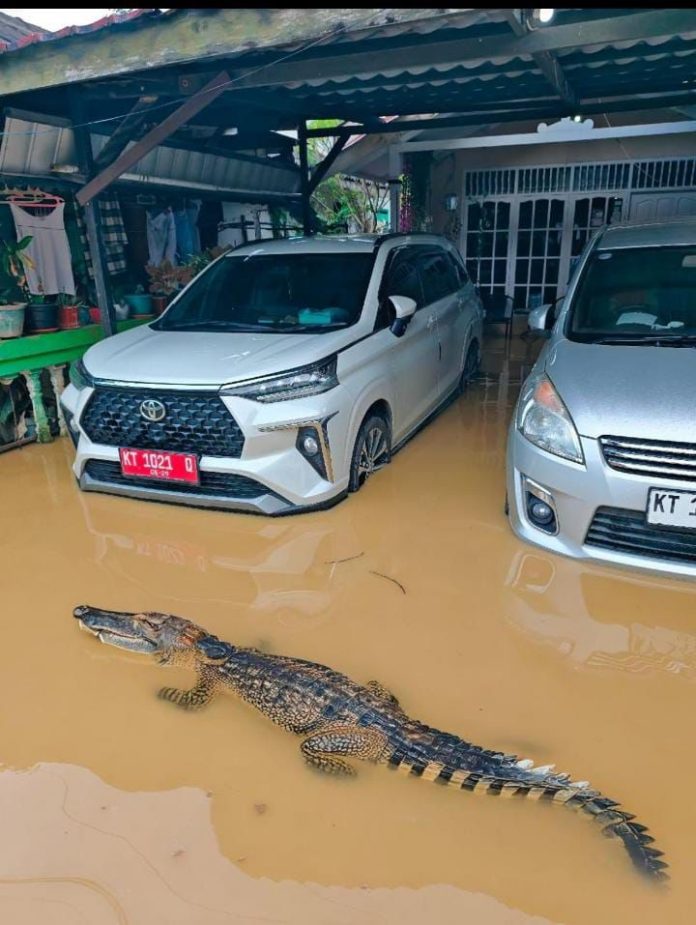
x: 638, y: 295
x: 274, y: 293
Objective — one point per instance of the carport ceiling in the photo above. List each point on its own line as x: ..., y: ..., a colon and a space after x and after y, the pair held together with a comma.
x: 478, y: 66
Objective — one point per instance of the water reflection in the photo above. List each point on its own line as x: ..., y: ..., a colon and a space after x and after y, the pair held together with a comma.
x: 603, y: 620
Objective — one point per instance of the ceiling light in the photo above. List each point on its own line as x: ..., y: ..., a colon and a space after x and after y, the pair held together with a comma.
x: 545, y: 16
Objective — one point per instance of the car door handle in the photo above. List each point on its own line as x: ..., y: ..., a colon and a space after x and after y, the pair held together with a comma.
x: 431, y: 321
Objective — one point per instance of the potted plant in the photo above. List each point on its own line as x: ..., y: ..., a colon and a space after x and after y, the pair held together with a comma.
x: 140, y: 303
x: 13, y: 299
x: 68, y: 311
x: 41, y: 315
x: 164, y: 282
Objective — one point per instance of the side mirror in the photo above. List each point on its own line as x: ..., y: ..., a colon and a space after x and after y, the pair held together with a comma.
x: 404, y: 308
x: 542, y: 319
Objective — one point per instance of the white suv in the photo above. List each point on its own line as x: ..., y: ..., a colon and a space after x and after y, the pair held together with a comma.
x: 281, y: 377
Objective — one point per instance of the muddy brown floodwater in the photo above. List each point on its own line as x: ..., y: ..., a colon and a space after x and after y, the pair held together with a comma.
x: 118, y: 808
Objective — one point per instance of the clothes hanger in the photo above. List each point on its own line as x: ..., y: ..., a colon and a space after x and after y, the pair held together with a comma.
x: 34, y: 197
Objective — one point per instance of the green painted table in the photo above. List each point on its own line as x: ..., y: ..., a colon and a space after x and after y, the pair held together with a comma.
x: 27, y: 356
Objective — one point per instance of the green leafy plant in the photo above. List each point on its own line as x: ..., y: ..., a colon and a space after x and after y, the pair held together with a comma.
x: 14, y: 263
x: 66, y: 298
x: 167, y: 279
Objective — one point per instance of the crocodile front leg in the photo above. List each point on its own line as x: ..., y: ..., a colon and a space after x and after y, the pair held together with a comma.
x: 195, y: 698
x: 379, y: 690
x: 321, y: 748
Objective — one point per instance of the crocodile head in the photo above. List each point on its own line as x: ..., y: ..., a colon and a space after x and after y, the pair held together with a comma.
x: 159, y: 634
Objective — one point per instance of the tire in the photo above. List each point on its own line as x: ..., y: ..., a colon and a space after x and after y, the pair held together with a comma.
x: 371, y: 452
x: 471, y: 366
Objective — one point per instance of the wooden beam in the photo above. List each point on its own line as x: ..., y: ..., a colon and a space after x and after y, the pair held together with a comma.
x: 598, y: 30
x: 126, y: 131
x: 156, y: 135
x: 546, y: 61
x: 322, y: 168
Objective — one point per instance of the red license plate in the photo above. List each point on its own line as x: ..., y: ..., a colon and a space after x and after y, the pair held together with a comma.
x: 159, y: 464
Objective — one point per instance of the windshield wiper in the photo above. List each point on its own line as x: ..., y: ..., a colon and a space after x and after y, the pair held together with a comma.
x: 652, y: 340
x: 207, y: 325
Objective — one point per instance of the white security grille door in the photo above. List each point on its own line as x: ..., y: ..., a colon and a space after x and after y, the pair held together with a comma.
x: 539, y: 238
x: 589, y: 214
x: 526, y: 227
x: 487, y: 243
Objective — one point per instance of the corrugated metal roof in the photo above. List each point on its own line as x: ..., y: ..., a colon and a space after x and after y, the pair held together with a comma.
x: 42, y: 35
x: 32, y: 148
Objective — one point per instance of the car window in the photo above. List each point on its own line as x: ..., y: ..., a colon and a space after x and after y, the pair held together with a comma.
x: 635, y: 292
x: 288, y: 293
x: 438, y: 275
x: 462, y: 276
x: 401, y: 277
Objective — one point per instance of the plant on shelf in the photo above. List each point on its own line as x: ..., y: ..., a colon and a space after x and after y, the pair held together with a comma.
x: 41, y: 314
x: 69, y: 306
x: 13, y: 298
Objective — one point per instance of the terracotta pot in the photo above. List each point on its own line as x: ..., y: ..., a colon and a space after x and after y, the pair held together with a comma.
x: 68, y: 317
x: 159, y: 303
x: 95, y: 315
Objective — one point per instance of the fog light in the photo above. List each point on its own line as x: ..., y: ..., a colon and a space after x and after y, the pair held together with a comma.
x: 540, y: 512
x: 540, y: 506
x: 310, y: 446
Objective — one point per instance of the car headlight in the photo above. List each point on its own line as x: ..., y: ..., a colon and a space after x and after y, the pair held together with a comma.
x: 296, y: 383
x: 79, y: 377
x: 544, y: 420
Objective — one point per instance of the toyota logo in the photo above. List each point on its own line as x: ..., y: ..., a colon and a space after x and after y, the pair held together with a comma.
x: 153, y: 410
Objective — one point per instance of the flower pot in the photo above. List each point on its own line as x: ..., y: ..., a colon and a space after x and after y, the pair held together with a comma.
x: 141, y: 305
x: 83, y: 316
x: 95, y: 315
x: 41, y: 317
x: 159, y: 303
x: 68, y: 317
x: 12, y: 319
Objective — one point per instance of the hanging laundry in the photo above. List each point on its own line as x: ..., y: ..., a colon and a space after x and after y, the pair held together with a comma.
x: 193, y: 208
x: 184, y: 235
x: 49, y: 250
x: 161, y: 237
x: 113, y: 235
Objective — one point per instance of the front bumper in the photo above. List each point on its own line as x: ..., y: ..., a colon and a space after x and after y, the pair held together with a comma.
x: 270, y: 476
x: 582, y: 495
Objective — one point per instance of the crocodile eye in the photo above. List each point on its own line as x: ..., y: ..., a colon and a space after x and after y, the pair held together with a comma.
x: 212, y: 649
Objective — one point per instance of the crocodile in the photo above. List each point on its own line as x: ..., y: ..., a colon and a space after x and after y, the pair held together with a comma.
x: 340, y: 720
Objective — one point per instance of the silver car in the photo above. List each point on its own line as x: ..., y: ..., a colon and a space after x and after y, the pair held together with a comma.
x: 602, y: 447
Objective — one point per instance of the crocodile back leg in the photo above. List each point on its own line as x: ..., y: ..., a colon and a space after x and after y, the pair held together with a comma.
x: 324, y: 750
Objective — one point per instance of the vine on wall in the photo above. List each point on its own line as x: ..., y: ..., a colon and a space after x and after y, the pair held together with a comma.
x: 415, y: 192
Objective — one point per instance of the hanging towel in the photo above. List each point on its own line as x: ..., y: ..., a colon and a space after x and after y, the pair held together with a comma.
x: 161, y: 237
x: 48, y: 250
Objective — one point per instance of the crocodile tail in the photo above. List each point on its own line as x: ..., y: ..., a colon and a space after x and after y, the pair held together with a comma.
x: 616, y: 823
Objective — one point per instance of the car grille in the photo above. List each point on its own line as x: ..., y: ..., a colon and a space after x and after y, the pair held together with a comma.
x: 196, y: 422
x: 628, y: 531
x: 212, y: 484
x: 660, y: 458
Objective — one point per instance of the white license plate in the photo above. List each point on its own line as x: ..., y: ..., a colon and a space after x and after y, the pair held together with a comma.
x: 668, y: 507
